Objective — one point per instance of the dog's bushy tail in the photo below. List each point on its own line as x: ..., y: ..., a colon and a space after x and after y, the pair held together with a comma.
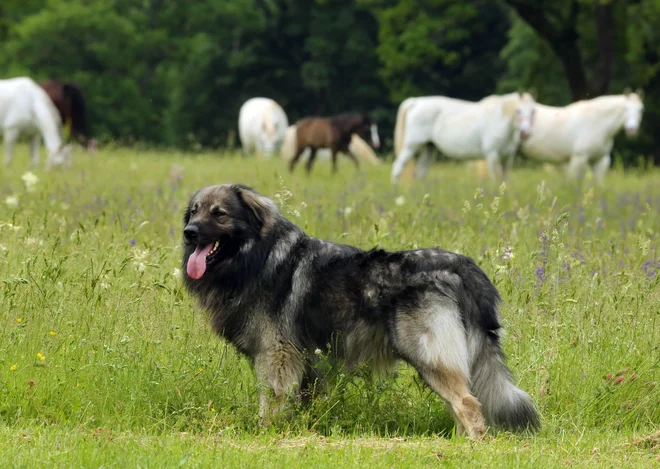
x: 504, y: 405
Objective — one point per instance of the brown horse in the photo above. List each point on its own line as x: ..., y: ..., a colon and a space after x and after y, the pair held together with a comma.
x: 334, y: 133
x: 69, y: 101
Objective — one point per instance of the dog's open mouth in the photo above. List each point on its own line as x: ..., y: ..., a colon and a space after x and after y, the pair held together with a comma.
x: 199, y: 259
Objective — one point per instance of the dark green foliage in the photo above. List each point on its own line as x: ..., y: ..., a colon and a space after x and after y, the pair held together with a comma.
x: 175, y: 73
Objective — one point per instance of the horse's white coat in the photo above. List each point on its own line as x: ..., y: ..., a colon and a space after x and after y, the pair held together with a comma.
x: 262, y: 125
x: 26, y: 108
x: 358, y: 147
x: 491, y: 128
x: 583, y: 133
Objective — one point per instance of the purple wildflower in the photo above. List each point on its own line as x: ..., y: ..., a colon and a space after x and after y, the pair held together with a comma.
x: 132, y: 241
x: 540, y: 274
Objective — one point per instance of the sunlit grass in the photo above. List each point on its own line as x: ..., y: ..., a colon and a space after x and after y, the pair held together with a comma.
x: 104, y: 357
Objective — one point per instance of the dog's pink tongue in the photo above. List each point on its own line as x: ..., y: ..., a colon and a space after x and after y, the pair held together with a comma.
x: 197, y: 262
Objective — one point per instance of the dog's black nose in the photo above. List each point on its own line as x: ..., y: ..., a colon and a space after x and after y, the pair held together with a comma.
x: 190, y: 233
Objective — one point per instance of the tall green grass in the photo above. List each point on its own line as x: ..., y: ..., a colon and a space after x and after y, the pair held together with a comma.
x: 106, y: 360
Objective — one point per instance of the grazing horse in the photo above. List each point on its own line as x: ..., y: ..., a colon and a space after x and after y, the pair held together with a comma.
x: 334, y: 133
x: 70, y: 103
x: 582, y: 133
x: 262, y: 125
x: 491, y: 128
x: 25, y: 107
x: 358, y: 147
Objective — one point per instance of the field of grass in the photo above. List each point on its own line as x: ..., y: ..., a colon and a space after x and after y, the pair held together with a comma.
x: 106, y: 361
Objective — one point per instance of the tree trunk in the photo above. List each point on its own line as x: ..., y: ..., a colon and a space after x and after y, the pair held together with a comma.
x: 605, y: 30
x: 563, y: 40
x: 570, y: 57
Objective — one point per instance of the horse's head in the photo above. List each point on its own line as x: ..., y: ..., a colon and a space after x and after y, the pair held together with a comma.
x: 59, y: 157
x: 525, y: 110
x: 271, y: 134
x: 92, y: 145
x: 368, y: 130
x: 633, y: 111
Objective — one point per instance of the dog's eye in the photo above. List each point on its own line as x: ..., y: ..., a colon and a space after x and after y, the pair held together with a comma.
x: 193, y: 210
x: 218, y: 213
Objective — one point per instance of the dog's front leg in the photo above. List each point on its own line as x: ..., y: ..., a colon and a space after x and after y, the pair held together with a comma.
x: 279, y: 369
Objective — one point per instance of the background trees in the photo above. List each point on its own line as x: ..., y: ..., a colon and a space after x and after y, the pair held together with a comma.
x: 175, y: 73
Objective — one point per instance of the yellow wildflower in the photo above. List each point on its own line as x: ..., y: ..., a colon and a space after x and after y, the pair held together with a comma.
x: 52, y: 333
x: 19, y: 320
x: 41, y: 357
x: 13, y: 367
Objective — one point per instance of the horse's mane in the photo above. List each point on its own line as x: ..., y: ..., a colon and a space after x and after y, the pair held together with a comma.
x: 510, y: 104
x: 344, y: 115
x: 79, y: 124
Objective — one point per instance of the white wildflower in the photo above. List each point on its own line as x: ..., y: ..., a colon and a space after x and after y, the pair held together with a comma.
x: 11, y: 201
x: 30, y: 179
x: 140, y: 254
x: 348, y: 211
x: 400, y: 200
x: 176, y: 273
x: 507, y: 254
x: 10, y: 226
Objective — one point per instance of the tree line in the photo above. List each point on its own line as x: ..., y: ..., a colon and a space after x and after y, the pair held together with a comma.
x: 175, y: 73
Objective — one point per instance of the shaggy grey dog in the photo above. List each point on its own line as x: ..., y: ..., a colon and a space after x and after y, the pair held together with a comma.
x: 278, y: 295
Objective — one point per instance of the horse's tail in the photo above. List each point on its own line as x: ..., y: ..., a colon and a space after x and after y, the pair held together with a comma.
x: 79, y: 124
x: 400, y: 126
x: 363, y: 150
x: 288, y: 149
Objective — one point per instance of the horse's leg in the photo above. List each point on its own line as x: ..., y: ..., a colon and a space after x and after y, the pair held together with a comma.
x: 600, y: 169
x: 310, y: 161
x: 577, y: 166
x: 34, y: 149
x: 423, y: 162
x: 508, y: 165
x: 10, y: 138
x: 400, y: 162
x: 295, y: 158
x: 355, y: 160
x: 334, y: 161
x: 494, y: 165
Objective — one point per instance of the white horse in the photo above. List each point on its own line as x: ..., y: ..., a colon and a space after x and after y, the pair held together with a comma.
x: 361, y: 149
x: 491, y: 128
x: 25, y: 107
x: 262, y: 125
x: 582, y: 133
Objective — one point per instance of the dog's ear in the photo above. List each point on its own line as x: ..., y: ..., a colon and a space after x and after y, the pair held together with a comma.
x: 262, y: 211
x: 186, y: 214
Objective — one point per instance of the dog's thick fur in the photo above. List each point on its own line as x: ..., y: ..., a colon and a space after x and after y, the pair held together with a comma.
x: 278, y: 295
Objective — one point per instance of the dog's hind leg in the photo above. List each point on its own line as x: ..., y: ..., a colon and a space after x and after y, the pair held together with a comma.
x: 452, y: 386
x: 431, y: 338
x: 280, y: 369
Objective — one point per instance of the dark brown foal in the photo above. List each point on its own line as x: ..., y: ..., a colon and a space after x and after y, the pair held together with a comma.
x: 334, y: 133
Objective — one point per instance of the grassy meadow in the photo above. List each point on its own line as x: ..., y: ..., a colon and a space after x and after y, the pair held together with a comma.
x: 105, y: 361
